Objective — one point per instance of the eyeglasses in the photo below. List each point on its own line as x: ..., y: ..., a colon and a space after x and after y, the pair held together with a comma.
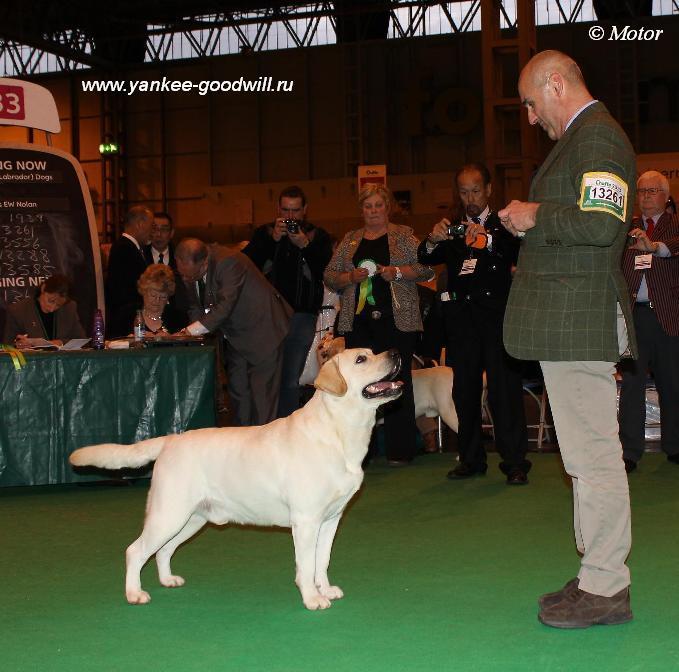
x: 651, y: 191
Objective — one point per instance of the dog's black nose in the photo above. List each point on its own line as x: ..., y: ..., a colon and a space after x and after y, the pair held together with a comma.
x: 394, y: 353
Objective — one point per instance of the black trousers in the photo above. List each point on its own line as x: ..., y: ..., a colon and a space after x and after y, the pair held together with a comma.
x: 399, y: 415
x: 474, y: 343
x: 660, y: 353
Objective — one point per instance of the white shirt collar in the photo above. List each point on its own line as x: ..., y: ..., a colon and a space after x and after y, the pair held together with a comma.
x: 582, y: 109
x: 133, y: 239
x: 483, y: 216
x: 156, y: 254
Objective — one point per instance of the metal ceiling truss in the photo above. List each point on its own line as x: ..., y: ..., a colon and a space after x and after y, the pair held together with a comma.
x: 205, y: 36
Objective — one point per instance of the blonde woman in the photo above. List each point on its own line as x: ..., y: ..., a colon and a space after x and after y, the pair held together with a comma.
x: 156, y: 285
x: 375, y: 271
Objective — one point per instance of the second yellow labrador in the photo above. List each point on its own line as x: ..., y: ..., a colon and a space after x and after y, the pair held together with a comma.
x: 298, y: 472
x: 432, y: 388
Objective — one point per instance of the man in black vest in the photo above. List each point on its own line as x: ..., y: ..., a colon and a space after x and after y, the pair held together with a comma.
x: 479, y: 255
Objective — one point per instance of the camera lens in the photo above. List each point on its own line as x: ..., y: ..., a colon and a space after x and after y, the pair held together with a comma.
x: 292, y: 225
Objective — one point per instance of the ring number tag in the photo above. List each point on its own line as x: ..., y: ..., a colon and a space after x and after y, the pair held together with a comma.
x: 604, y: 192
x: 468, y: 266
x: 643, y: 262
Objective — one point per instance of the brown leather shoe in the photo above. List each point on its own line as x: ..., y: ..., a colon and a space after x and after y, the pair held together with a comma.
x: 430, y: 441
x: 549, y: 599
x: 580, y: 609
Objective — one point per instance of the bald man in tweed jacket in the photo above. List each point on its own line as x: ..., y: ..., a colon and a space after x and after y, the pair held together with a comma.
x: 569, y: 308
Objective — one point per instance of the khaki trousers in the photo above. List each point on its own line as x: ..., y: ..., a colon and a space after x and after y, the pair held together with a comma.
x: 582, y: 396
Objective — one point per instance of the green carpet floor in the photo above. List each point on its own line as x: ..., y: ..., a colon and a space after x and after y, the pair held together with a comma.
x: 437, y: 576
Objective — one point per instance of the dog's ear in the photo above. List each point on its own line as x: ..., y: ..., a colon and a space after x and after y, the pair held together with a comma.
x: 331, y: 380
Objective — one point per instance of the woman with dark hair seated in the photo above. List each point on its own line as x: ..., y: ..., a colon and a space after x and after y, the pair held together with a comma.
x: 50, y: 314
x: 155, y: 285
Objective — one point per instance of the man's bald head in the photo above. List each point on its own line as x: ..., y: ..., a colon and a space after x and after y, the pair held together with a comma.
x: 545, y: 63
x: 191, y: 249
x: 552, y: 89
x: 191, y: 256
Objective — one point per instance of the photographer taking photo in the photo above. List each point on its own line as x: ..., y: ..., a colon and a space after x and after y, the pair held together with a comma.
x: 292, y: 253
x: 479, y: 255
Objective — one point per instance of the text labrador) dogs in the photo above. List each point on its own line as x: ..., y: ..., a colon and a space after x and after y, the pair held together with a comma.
x: 298, y: 472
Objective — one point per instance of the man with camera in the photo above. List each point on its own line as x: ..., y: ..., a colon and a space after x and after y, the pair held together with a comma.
x: 293, y: 253
x: 479, y: 255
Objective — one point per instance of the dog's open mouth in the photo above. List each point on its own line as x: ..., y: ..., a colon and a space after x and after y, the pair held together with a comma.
x: 386, y: 387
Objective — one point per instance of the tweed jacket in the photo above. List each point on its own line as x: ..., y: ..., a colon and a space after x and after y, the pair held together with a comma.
x: 563, y: 301
x: 662, y: 278
x: 402, y: 252
x: 23, y: 318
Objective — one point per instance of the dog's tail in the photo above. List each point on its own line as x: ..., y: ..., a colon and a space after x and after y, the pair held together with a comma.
x: 118, y: 456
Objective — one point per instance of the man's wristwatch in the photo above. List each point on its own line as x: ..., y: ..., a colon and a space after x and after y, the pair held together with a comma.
x: 399, y: 274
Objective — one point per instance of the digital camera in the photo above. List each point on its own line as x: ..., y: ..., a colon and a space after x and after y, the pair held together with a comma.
x: 456, y: 230
x: 292, y: 225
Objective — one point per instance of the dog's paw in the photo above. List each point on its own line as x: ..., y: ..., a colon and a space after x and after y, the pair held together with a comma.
x: 172, y: 581
x: 137, y: 597
x: 332, y: 592
x: 317, y: 602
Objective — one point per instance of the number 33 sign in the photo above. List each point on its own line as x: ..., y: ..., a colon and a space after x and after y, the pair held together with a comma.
x: 12, y: 102
x: 29, y: 105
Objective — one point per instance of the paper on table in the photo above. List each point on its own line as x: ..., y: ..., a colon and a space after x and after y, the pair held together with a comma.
x: 40, y: 344
x: 75, y: 344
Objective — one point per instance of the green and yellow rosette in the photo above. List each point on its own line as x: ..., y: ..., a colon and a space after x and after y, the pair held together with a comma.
x: 18, y: 359
x: 365, y: 291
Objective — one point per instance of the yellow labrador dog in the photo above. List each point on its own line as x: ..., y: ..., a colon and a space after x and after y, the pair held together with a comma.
x: 298, y: 472
x: 432, y: 388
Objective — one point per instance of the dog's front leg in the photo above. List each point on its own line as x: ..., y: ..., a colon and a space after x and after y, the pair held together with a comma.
x: 305, y: 537
x: 323, y: 548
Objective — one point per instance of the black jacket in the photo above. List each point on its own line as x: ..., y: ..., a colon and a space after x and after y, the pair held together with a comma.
x: 489, y: 285
x: 296, y: 274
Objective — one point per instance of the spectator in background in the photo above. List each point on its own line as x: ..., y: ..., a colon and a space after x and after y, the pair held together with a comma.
x: 293, y: 253
x: 50, y: 314
x: 479, y: 259
x: 126, y: 262
x: 375, y: 270
x: 161, y: 251
x: 651, y: 268
x: 156, y: 285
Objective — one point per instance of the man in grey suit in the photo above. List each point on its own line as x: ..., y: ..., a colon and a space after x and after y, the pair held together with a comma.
x: 229, y: 294
x: 570, y: 309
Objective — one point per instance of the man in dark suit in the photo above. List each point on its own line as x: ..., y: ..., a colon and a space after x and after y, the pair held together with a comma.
x: 569, y: 308
x: 229, y: 294
x: 479, y: 261
x: 161, y: 251
x: 651, y: 268
x: 126, y: 262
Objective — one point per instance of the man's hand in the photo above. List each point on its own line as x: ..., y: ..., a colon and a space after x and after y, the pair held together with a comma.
x: 642, y: 242
x: 518, y: 216
x: 299, y: 239
x: 472, y: 234
x: 279, y: 229
x: 440, y: 231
